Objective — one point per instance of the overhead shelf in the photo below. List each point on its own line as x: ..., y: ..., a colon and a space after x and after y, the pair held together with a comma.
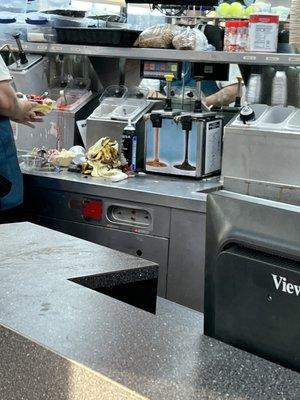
x: 163, y: 54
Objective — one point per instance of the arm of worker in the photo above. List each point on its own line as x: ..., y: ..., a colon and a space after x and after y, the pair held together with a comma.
x: 228, y: 90
x: 224, y: 97
x: 20, y: 111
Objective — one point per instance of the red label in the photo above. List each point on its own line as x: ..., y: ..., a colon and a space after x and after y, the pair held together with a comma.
x: 264, y: 18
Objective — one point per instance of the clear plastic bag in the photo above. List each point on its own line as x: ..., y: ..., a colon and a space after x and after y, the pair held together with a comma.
x: 191, y: 39
x: 158, y: 36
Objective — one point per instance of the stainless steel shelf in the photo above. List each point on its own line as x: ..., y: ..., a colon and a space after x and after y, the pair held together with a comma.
x: 164, y: 54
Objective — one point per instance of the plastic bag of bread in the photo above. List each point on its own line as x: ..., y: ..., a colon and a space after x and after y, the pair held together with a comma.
x: 190, y: 39
x: 158, y: 36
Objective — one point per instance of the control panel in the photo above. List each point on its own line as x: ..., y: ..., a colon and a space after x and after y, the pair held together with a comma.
x: 158, y: 69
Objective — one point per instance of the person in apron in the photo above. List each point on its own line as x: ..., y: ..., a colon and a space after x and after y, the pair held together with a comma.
x: 11, y: 180
x: 9, y: 167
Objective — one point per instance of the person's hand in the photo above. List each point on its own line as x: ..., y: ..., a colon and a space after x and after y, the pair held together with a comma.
x: 26, y: 115
x: 153, y: 94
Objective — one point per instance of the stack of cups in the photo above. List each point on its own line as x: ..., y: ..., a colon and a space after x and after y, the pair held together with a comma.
x: 295, y: 24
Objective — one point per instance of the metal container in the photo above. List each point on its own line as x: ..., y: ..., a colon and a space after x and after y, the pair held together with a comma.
x: 266, y: 149
x: 109, y: 125
x: 57, y: 123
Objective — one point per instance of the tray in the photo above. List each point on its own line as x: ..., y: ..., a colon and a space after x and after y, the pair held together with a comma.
x: 97, y: 36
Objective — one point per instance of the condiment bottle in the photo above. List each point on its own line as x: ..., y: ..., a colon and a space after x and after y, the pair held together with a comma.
x: 242, y: 35
x: 230, y: 36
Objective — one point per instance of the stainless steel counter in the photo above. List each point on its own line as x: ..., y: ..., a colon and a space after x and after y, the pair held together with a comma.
x: 176, y: 210
x: 170, y: 192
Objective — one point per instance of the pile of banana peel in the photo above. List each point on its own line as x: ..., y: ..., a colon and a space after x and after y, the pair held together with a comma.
x: 103, y: 160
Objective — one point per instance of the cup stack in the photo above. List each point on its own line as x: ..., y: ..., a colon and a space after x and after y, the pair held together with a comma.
x: 295, y: 24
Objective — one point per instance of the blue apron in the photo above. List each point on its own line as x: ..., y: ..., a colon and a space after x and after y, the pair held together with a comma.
x: 9, y: 166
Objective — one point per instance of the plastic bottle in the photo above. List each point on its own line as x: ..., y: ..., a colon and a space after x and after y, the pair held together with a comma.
x: 129, y: 146
x: 242, y: 35
x: 230, y: 36
x: 247, y: 114
x: 279, y: 89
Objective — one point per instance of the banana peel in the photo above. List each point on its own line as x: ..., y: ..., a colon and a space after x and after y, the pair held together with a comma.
x: 103, y: 160
x: 45, y: 107
x: 105, y: 151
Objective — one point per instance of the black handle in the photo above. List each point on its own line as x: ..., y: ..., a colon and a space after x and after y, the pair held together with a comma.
x: 238, y: 102
x: 22, y: 55
x: 156, y: 120
x: 186, y: 122
x: 168, y: 105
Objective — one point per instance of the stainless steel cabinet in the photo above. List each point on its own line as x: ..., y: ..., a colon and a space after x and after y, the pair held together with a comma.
x: 174, y: 239
x: 187, y: 259
x: 134, y: 228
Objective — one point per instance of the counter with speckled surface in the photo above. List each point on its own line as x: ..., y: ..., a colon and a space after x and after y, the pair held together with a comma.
x: 124, y: 352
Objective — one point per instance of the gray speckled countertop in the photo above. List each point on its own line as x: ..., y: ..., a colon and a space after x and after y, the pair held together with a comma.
x: 162, y: 357
x: 181, y: 193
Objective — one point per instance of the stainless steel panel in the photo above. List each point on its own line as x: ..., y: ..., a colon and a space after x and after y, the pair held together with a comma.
x: 261, y: 224
x: 185, y: 284
x: 97, y: 129
x: 266, y: 190
x: 261, y: 155
x: 148, y: 247
x: 68, y: 206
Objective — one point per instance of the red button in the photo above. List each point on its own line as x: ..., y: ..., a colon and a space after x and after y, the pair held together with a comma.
x: 92, y: 209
